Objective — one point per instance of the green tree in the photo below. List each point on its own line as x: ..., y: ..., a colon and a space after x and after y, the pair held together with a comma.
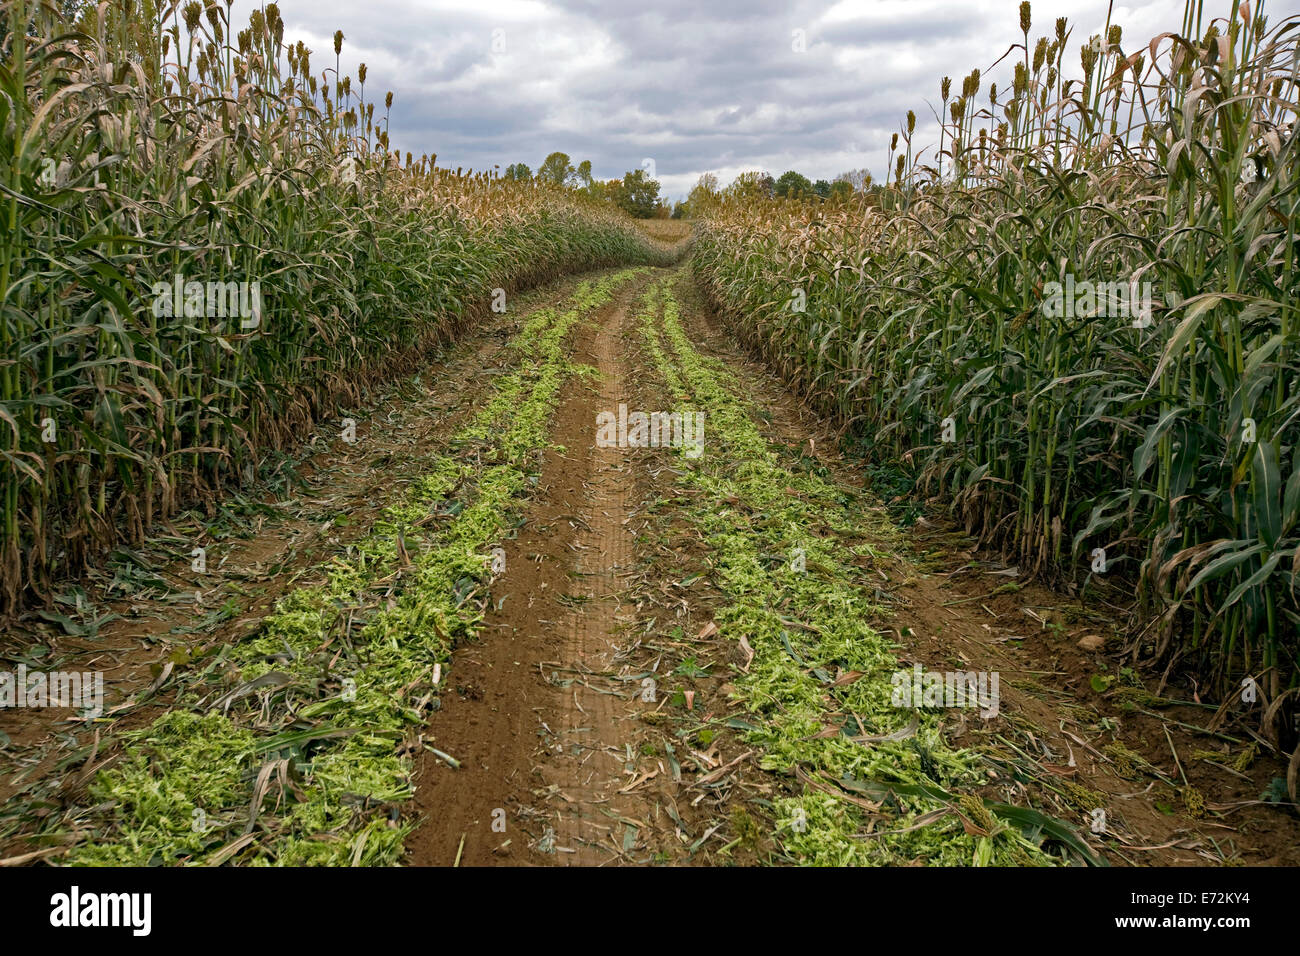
x: 822, y: 188
x: 639, y: 194
x: 606, y: 190
x: 793, y: 185
x: 840, y: 191
x: 518, y: 172
x: 557, y: 168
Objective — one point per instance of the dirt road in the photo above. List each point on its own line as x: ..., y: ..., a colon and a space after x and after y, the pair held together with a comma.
x: 677, y: 651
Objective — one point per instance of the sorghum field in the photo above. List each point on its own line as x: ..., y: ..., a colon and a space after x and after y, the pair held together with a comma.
x: 360, y: 510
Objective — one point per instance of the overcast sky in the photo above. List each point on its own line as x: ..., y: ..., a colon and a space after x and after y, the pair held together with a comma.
x: 693, y: 85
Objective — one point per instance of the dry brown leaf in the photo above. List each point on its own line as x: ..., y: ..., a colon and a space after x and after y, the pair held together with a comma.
x: 748, y: 652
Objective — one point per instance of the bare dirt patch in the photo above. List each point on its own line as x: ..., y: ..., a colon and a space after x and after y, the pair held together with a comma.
x: 519, y: 702
x: 563, y: 719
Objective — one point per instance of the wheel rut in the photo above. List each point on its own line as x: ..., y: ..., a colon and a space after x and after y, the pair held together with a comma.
x: 537, y: 713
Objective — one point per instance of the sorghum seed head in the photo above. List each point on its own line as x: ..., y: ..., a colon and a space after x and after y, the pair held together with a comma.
x: 1087, y: 59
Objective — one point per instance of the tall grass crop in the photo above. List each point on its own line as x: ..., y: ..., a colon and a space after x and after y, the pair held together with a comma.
x: 1079, y: 433
x: 209, y: 243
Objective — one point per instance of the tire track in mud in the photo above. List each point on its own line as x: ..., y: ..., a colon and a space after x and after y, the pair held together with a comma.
x: 530, y: 713
x: 400, y: 432
x: 589, y: 769
x: 542, y: 714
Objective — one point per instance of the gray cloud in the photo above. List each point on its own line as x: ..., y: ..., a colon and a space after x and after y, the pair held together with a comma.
x: 695, y: 86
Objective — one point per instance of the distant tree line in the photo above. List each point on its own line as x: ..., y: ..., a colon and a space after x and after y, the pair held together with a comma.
x: 636, y: 193
x: 757, y: 185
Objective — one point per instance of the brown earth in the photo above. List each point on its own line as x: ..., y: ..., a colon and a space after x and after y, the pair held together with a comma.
x: 543, y: 717
x: 259, y: 546
x: 562, y: 746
